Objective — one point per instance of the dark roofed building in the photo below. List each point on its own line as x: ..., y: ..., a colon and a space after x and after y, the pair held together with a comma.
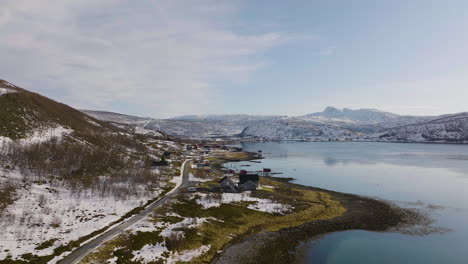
x: 227, y: 184
x: 243, y: 178
x: 159, y: 163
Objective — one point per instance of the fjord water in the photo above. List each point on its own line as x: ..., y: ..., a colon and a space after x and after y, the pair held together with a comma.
x: 432, y: 177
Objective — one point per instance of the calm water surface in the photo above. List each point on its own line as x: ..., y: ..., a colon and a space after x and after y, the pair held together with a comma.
x: 425, y: 174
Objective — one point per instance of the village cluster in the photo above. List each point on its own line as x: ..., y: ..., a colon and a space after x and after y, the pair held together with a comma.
x: 232, y: 181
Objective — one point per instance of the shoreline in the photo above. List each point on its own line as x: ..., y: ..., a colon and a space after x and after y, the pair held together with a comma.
x: 241, y: 140
x: 362, y: 213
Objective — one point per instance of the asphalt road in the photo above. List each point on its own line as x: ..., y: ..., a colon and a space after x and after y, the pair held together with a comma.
x: 81, y: 252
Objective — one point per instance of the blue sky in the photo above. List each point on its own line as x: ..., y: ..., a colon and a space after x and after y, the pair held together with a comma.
x: 172, y: 57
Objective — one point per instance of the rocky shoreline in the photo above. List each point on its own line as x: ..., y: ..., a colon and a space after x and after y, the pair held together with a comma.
x: 281, y: 247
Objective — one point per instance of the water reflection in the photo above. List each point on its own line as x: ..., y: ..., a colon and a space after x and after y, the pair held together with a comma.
x: 370, y: 153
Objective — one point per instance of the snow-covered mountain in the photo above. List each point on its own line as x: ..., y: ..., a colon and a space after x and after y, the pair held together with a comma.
x: 378, y: 119
x: 449, y: 128
x: 290, y: 129
x: 236, y: 118
x: 180, y: 127
x: 330, y: 124
x: 369, y: 116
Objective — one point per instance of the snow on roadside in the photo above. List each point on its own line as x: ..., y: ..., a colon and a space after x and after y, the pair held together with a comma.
x: 263, y: 205
x: 42, y: 212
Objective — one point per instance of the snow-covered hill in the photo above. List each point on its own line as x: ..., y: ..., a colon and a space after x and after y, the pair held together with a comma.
x: 65, y: 175
x: 363, y: 117
x: 186, y: 127
x: 450, y: 128
x: 116, y: 118
x: 330, y: 124
x: 370, y: 116
x: 236, y: 118
x: 288, y: 129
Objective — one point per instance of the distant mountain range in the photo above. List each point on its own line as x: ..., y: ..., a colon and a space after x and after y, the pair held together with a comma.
x: 330, y: 124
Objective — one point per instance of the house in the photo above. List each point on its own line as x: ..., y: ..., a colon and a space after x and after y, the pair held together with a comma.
x: 266, y: 172
x: 248, y: 181
x: 159, y: 163
x: 229, y: 172
x: 235, y: 149
x: 248, y: 186
x: 202, y: 165
x: 260, y: 153
x: 227, y: 184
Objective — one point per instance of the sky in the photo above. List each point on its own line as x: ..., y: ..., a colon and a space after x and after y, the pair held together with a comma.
x: 165, y: 58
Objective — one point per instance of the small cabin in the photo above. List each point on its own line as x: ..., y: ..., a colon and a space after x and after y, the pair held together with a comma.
x: 229, y: 172
x: 159, y: 163
x: 266, y: 172
x: 202, y: 165
x: 235, y: 149
x: 227, y: 184
x: 248, y: 186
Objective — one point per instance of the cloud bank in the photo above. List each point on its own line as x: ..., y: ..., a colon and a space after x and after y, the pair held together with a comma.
x: 161, y: 58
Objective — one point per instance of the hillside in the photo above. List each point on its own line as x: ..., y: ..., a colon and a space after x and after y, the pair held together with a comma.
x: 450, y: 128
x: 186, y: 127
x: 360, y: 115
x: 65, y: 175
x: 23, y: 113
x: 330, y: 124
x: 293, y: 130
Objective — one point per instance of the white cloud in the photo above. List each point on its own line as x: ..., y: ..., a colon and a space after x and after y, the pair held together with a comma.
x: 160, y: 56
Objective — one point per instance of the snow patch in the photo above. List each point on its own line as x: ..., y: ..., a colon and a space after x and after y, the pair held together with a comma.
x: 42, y: 212
x: 152, y: 253
x: 144, y: 131
x: 45, y: 135
x: 194, y: 178
x: 6, y: 91
x: 188, y: 255
x: 263, y: 205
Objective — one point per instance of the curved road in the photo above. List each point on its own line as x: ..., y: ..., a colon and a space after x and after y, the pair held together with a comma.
x: 81, y: 252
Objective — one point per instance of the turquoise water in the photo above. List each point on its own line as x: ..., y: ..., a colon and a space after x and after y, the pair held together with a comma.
x: 427, y: 176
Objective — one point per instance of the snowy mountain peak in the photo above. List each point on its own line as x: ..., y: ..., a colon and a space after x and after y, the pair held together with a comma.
x: 358, y: 115
x: 331, y: 109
